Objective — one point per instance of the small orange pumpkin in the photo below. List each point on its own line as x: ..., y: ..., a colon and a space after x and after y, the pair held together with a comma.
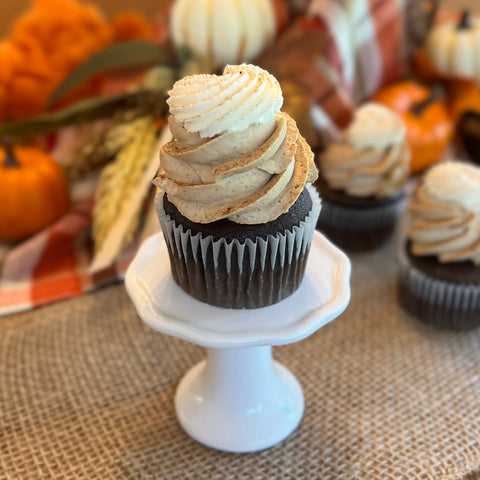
x: 33, y: 192
x: 429, y: 126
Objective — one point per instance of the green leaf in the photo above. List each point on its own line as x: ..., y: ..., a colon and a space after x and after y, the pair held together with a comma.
x: 148, y: 101
x: 132, y: 53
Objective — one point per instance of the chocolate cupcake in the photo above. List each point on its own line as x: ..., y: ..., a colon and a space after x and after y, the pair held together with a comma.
x: 362, y: 178
x: 439, y: 264
x: 235, y: 211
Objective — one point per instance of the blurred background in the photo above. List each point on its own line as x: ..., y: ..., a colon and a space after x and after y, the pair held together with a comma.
x: 9, y: 9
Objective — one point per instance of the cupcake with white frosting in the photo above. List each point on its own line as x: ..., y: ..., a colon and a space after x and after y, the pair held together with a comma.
x: 362, y: 178
x: 439, y: 281
x: 233, y: 201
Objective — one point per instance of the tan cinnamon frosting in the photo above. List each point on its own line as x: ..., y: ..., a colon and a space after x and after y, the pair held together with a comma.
x: 371, y: 158
x: 445, y: 213
x: 233, y: 154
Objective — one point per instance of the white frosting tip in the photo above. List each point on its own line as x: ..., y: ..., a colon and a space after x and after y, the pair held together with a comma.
x: 457, y: 182
x: 375, y: 126
x: 213, y: 104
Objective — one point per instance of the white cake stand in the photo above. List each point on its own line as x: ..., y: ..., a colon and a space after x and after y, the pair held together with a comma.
x: 238, y: 399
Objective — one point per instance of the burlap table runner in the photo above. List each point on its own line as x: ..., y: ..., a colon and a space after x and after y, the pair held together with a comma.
x: 86, y: 392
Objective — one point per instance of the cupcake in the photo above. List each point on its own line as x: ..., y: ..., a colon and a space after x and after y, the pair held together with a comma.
x: 439, y: 265
x: 362, y: 178
x: 233, y: 201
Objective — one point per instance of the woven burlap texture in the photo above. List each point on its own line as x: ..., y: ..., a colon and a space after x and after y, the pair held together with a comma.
x: 86, y: 392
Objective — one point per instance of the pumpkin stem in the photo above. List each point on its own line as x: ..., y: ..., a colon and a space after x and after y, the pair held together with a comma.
x: 418, y: 108
x: 10, y: 159
x: 465, y: 22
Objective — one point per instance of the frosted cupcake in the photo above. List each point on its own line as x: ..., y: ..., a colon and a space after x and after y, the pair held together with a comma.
x: 439, y: 274
x: 362, y: 178
x: 236, y: 211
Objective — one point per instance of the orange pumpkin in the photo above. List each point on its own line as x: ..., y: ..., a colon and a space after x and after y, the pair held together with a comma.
x: 429, y: 126
x: 33, y: 192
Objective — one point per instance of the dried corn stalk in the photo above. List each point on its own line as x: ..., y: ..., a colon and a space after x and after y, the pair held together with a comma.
x: 123, y: 185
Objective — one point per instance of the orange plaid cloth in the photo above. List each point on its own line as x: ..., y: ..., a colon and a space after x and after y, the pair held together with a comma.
x: 367, y: 41
x: 53, y: 265
x: 341, y: 53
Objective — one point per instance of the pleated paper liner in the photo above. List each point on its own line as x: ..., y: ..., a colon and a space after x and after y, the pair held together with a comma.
x: 442, y: 303
x: 358, y: 224
x: 252, y: 273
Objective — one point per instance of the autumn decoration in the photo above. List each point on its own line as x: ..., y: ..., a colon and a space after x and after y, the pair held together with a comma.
x: 452, y: 48
x: 123, y: 185
x: 226, y: 32
x: 33, y: 64
x: 428, y: 123
x: 44, y: 88
x: 33, y: 191
x: 130, y: 26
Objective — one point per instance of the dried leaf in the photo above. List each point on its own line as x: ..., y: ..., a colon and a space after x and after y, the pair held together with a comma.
x: 82, y: 149
x: 132, y: 53
x: 85, y: 111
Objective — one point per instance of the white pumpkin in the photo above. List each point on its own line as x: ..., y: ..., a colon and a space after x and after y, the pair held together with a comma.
x: 226, y: 31
x: 454, y: 49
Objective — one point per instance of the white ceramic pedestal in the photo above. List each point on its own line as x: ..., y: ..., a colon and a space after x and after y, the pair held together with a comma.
x: 239, y: 399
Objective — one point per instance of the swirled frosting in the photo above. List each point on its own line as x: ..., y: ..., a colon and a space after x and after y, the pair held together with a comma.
x: 233, y: 154
x: 445, y: 214
x: 213, y: 104
x: 371, y: 157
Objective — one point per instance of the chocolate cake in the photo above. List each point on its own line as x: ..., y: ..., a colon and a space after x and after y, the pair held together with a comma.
x: 361, y: 179
x: 439, y: 264
x: 233, y: 200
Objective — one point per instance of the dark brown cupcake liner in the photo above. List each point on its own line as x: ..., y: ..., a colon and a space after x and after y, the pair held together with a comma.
x: 437, y: 302
x: 359, y: 228
x: 234, y: 274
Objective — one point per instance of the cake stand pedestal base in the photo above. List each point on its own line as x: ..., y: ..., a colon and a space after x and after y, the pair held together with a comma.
x: 239, y: 400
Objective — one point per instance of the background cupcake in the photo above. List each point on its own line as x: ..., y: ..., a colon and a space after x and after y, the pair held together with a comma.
x: 439, y: 276
x: 361, y: 179
x: 237, y: 218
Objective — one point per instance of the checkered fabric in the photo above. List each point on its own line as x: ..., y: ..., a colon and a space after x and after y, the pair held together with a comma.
x: 355, y: 47
x: 367, y: 41
x: 53, y: 265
